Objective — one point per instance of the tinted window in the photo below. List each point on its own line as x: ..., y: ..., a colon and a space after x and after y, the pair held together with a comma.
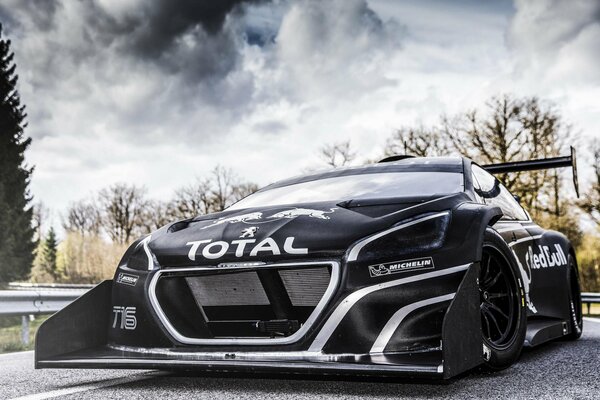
x: 510, y: 207
x: 355, y: 187
x: 485, y: 179
x: 496, y: 194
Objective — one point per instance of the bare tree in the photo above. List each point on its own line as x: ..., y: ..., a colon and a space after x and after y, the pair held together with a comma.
x: 591, y: 200
x: 157, y: 214
x: 83, y: 216
x: 242, y: 190
x: 192, y: 200
x: 123, y: 207
x: 212, y: 194
x: 514, y: 129
x: 493, y: 138
x: 338, y: 154
x: 39, y: 217
x: 222, y: 182
x: 420, y: 142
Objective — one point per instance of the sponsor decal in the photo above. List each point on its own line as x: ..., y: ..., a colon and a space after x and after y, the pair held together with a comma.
x: 545, y: 257
x: 257, y: 217
x: 236, y: 219
x: 124, y: 318
x: 487, y: 353
x: 297, y: 212
x: 127, y: 279
x: 400, y: 266
x: 243, y: 247
x: 574, y: 318
x: 539, y: 257
x: 249, y: 232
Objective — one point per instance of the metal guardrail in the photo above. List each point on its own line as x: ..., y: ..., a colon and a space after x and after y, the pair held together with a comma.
x: 35, y: 302
x: 33, y: 299
x: 589, y: 299
x: 48, y: 286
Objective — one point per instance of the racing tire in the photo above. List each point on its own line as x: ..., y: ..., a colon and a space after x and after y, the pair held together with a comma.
x: 502, y: 303
x: 575, y: 308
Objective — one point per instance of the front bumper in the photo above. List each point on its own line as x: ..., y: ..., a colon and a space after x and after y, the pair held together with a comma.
x: 428, y: 364
x: 340, y: 343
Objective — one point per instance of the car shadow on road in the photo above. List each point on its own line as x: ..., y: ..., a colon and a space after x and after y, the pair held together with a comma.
x: 476, y: 382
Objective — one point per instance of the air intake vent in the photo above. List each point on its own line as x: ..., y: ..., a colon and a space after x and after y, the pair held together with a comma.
x: 207, y: 304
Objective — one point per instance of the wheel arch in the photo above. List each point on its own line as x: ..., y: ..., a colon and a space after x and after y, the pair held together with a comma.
x: 470, y: 220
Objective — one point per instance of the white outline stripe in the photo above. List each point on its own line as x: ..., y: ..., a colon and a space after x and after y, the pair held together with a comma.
x: 148, y: 252
x: 329, y: 292
x: 342, y: 309
x: 512, y: 228
x: 525, y: 239
x: 394, y: 322
x: 353, y: 255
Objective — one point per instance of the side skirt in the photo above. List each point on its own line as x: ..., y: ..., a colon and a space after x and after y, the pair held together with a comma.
x: 543, y: 330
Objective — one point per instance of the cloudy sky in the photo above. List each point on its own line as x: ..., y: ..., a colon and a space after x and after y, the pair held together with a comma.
x: 159, y: 92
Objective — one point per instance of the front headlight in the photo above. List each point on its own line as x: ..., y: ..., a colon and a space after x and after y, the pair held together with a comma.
x: 419, y: 234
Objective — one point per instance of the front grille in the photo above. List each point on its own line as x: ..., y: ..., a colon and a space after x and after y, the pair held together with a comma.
x: 305, y: 287
x: 228, y: 290
x: 242, y: 305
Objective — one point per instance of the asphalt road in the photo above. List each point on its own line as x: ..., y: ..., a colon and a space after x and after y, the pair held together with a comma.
x: 558, y: 370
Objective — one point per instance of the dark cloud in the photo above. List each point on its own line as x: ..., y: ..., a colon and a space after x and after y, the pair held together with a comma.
x: 157, y: 26
x: 188, y: 37
x: 41, y: 13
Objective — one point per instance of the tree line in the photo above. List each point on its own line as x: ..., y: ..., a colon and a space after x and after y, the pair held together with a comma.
x: 99, y: 229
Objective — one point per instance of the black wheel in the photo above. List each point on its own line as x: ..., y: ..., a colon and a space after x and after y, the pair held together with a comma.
x: 575, y: 308
x: 502, y: 303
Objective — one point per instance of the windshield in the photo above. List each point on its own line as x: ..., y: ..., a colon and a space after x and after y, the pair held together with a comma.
x: 356, y: 187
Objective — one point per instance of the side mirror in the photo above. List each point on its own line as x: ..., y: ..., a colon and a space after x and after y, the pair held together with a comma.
x: 493, y: 192
x: 517, y: 198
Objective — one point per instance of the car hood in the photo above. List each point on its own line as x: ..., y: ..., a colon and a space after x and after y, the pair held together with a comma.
x: 307, y: 231
x: 262, y: 234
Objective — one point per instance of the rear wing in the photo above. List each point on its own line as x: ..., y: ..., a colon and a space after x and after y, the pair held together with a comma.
x: 532, y: 165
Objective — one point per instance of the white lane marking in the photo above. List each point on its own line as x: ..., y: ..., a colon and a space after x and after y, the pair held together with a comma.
x: 92, y: 386
x: 589, y: 319
x: 394, y: 322
x: 16, y: 353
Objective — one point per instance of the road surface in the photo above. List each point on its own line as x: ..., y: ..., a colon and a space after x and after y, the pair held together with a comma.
x: 558, y: 370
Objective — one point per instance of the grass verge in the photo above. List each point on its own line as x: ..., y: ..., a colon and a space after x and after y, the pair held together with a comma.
x: 10, y: 333
x: 594, y: 310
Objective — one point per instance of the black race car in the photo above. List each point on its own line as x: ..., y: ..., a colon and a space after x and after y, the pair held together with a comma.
x: 412, y: 266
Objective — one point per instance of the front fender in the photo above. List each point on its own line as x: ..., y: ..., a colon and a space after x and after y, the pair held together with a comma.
x: 469, y: 222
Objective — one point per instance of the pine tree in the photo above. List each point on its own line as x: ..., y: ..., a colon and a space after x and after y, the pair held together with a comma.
x: 16, y: 232
x: 49, y: 254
